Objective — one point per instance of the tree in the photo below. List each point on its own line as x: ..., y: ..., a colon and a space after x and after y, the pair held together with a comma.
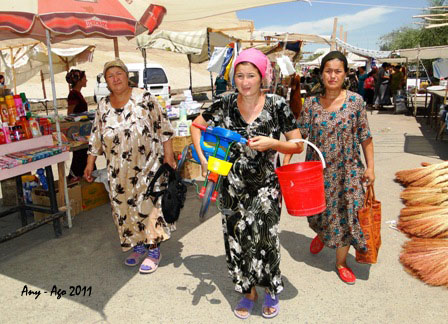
x: 408, y: 37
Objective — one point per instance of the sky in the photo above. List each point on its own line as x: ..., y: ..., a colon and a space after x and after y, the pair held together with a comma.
x: 365, y: 21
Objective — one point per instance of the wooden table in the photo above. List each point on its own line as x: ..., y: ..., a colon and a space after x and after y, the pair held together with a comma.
x: 54, y: 212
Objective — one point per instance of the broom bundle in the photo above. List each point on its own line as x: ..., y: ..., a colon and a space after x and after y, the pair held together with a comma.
x: 424, y: 221
x: 414, y: 196
x: 427, y: 259
x: 406, y: 177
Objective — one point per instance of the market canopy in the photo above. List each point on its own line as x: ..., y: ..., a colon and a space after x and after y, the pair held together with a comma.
x: 181, y: 10
x: 192, y: 43
x: 362, y: 51
x: 424, y: 53
x: 32, y: 59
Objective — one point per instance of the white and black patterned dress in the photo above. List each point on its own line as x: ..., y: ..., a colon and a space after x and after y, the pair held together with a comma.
x: 250, y: 195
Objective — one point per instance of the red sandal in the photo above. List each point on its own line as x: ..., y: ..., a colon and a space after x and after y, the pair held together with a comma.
x: 316, y: 245
x: 346, y: 274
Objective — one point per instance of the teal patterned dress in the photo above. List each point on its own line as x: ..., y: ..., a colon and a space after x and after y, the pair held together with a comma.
x: 250, y: 197
x: 338, y: 135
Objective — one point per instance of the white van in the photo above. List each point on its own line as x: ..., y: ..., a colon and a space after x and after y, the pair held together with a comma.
x: 154, y: 76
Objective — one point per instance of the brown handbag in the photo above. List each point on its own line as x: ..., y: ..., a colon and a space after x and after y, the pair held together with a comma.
x: 369, y: 217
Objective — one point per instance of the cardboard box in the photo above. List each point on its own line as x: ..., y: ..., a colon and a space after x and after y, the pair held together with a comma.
x: 179, y: 142
x: 9, y: 192
x: 94, y: 194
x: 40, y: 197
x: 190, y: 170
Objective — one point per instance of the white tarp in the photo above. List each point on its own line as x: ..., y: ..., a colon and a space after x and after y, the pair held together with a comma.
x: 424, y: 53
x: 180, y: 10
x: 352, y: 59
x: 440, y: 68
x: 193, y: 43
x: 30, y: 60
x: 362, y: 51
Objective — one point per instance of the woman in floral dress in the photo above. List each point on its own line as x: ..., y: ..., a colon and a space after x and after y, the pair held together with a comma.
x: 250, y: 195
x: 336, y: 122
x: 134, y: 134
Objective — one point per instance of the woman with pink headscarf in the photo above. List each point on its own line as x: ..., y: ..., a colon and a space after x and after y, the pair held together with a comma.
x: 250, y: 196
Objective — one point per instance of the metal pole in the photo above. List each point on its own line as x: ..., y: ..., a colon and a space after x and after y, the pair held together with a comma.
x: 191, y: 78
x: 58, y: 127
x: 145, y: 77
x: 417, y: 75
x: 209, y: 56
x: 13, y: 71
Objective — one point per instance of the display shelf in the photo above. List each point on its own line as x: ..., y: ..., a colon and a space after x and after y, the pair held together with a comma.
x: 28, y: 144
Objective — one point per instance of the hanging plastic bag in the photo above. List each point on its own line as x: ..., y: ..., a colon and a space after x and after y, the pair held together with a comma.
x: 285, y: 65
x: 217, y: 59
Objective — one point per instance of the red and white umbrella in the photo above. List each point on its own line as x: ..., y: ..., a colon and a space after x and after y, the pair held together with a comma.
x: 68, y: 19
x: 57, y: 20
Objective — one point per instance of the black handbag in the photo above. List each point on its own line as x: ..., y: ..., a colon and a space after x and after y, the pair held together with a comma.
x: 173, y: 196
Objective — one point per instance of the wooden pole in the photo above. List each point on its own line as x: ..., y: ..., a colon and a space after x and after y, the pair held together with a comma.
x: 341, y: 35
x: 333, y: 35
x: 345, y: 41
x: 42, y: 79
x: 13, y: 70
x: 116, y: 50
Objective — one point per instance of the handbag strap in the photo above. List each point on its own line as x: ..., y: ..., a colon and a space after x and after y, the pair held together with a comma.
x: 163, y: 168
x: 370, y: 195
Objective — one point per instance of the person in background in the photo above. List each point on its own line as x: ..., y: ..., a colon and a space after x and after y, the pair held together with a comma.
x: 396, y: 81
x: 361, y: 78
x: 295, y: 101
x: 134, y: 134
x: 221, y: 85
x: 77, y: 104
x: 382, y: 87
x: 336, y: 122
x: 369, y: 88
x: 250, y: 194
x: 2, y: 80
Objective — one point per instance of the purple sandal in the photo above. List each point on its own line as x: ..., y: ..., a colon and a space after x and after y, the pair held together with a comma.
x: 137, y: 256
x: 269, y: 302
x: 244, y: 303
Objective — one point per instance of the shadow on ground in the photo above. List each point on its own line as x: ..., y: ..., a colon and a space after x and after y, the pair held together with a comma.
x: 297, y: 246
x: 89, y: 254
x: 419, y: 144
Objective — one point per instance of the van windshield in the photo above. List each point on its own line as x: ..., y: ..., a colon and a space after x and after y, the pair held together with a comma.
x: 155, y: 75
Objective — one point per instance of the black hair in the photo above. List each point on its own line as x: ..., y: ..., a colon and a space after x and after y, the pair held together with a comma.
x: 332, y: 56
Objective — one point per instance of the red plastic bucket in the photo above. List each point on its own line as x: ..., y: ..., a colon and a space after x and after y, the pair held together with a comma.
x: 302, y: 185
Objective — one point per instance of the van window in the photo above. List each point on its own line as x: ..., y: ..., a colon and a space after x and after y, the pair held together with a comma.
x: 133, y: 78
x: 154, y: 76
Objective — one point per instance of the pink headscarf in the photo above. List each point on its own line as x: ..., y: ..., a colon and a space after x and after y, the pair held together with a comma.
x: 258, y: 59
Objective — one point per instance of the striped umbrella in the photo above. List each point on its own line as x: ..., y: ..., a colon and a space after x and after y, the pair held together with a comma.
x: 68, y: 19
x: 57, y: 20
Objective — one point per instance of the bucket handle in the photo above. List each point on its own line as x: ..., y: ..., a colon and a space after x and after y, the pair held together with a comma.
x: 301, y: 140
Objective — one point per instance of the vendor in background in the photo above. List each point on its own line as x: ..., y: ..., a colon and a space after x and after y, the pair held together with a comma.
x: 362, y: 76
x: 221, y: 85
x: 134, y: 134
x: 396, y: 81
x: 336, y: 122
x: 250, y: 197
x: 295, y: 101
x: 77, y: 104
x: 2, y: 80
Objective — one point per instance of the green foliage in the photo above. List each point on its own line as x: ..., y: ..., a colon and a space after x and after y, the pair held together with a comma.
x: 408, y: 37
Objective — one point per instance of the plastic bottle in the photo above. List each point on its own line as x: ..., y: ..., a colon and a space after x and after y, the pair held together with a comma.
x: 4, y: 110
x: 183, y: 126
x: 12, y: 112
x: 2, y: 137
x: 7, y: 132
x: 35, y: 129
x: 45, y: 126
x: 19, y: 106
x: 25, y: 127
x: 42, y: 178
x: 26, y: 103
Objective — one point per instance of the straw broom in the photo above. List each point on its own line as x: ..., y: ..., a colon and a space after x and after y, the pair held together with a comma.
x: 409, y: 176
x: 434, y: 179
x: 424, y: 221
x: 424, y: 196
x: 428, y: 259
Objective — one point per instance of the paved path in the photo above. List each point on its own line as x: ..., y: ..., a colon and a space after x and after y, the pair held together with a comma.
x: 192, y: 285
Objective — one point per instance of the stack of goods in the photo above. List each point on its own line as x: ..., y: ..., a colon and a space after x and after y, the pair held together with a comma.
x: 17, y: 158
x: 16, y: 122
x: 425, y: 221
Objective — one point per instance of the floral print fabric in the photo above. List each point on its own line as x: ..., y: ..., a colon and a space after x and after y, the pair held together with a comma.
x: 338, y: 135
x: 250, y: 197
x: 131, y: 139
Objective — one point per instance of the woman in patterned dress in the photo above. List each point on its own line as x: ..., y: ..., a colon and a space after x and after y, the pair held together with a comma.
x: 336, y: 122
x: 134, y: 134
x: 250, y: 195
